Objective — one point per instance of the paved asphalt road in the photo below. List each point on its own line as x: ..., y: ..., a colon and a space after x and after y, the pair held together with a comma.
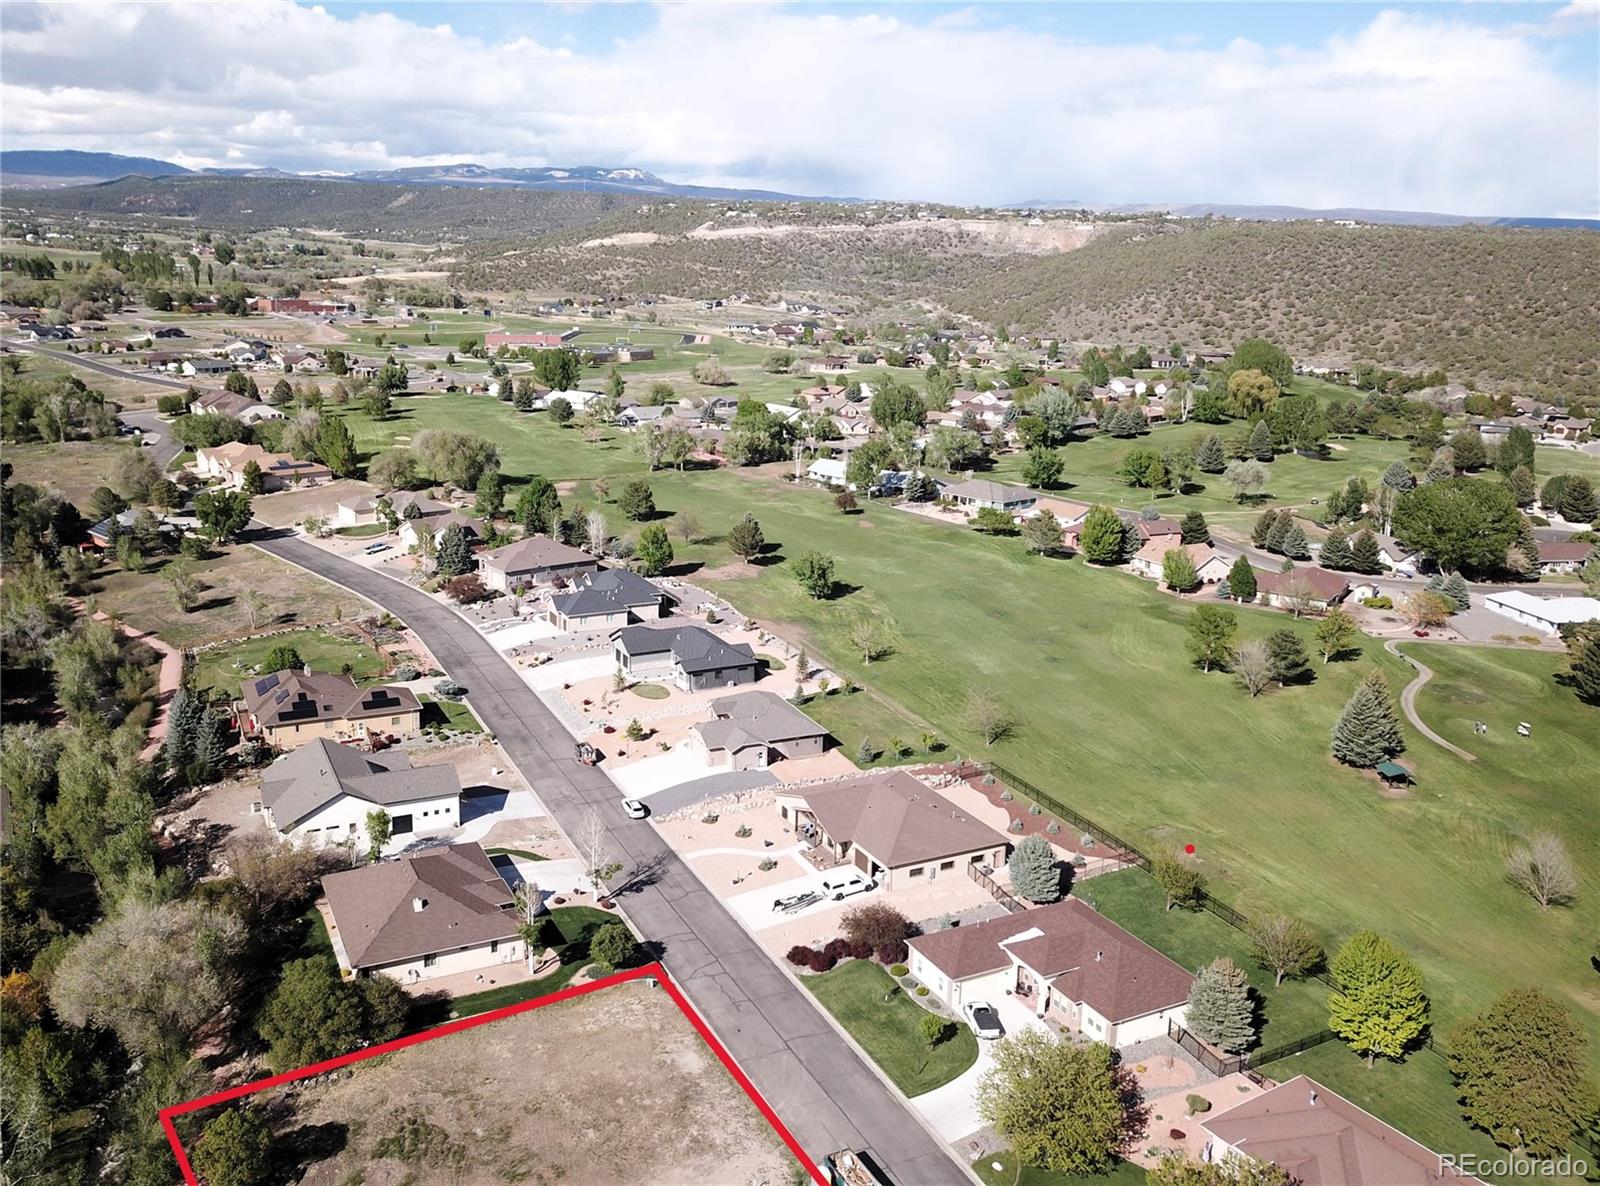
x: 829, y: 1098
x: 89, y: 363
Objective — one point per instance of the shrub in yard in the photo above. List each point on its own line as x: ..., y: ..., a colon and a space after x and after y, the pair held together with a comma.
x: 876, y: 924
x: 893, y: 953
x: 465, y: 590
x: 767, y: 864
x: 860, y: 950
x: 710, y: 817
x: 1380, y: 602
x: 1016, y: 825
x: 448, y: 689
x: 1053, y: 827
x: 898, y: 971
x: 837, y: 949
x: 922, y: 990
x: 821, y: 961
x: 406, y: 674
x: 1035, y: 809
x: 742, y: 831
x: 1005, y: 796
x: 1175, y: 1133
x: 799, y: 955
x: 1197, y: 1104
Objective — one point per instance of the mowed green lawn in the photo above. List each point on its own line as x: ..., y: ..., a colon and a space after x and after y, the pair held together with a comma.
x: 891, y: 1031
x: 1091, y: 470
x: 226, y: 666
x: 1114, y: 719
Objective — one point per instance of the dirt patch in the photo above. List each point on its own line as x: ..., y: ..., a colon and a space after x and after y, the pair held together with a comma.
x: 609, y: 1088
x: 728, y: 572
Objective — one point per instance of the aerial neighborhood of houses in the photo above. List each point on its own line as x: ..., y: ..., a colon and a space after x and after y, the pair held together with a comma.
x: 1029, y: 756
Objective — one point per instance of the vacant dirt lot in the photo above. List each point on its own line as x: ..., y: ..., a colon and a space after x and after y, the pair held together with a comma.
x: 609, y: 1089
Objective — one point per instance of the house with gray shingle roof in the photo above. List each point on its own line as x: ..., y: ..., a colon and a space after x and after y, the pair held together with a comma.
x: 977, y: 493
x: 751, y: 730
x: 691, y: 657
x: 439, y: 912
x: 323, y: 792
x: 610, y: 597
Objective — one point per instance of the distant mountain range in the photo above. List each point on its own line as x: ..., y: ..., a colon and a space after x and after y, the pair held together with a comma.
x: 47, y: 169
x: 1296, y: 213
x: 51, y: 170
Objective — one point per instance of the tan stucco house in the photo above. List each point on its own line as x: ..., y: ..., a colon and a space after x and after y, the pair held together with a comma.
x: 289, y: 708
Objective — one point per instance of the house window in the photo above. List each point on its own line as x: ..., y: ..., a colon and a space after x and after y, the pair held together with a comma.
x: 917, y: 872
x: 944, y: 866
x: 494, y: 946
x: 429, y: 961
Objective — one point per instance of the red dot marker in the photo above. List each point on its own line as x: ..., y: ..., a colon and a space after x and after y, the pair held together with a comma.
x: 1188, y: 849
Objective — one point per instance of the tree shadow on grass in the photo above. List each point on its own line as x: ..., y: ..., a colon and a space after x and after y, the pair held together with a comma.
x: 303, y: 1146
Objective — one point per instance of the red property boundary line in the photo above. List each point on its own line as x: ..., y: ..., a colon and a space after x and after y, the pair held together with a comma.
x: 169, y: 1114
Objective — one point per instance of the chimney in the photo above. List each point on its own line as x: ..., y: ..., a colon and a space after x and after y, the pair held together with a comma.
x: 1311, y: 1100
x: 419, y: 904
x: 1098, y: 956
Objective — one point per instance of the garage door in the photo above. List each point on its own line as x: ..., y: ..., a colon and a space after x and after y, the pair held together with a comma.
x: 989, y: 987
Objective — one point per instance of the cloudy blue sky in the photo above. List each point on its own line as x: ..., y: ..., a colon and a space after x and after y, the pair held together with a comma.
x: 1471, y: 109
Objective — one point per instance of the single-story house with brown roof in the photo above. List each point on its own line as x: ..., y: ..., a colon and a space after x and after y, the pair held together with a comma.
x: 1563, y: 555
x: 279, y: 471
x: 323, y: 792
x: 751, y: 730
x: 1304, y: 588
x: 891, y: 827
x: 290, y: 708
x: 420, y: 917
x: 1067, y: 962
x: 976, y: 494
x: 536, y: 560
x: 1209, y: 564
x: 1322, y: 1139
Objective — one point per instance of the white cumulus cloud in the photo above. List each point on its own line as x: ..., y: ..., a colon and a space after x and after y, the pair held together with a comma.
x: 1410, y: 110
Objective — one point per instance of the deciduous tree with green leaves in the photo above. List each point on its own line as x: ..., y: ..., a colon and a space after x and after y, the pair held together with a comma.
x: 1523, y: 1074
x: 1060, y: 1106
x: 1211, y: 631
x: 1377, y: 1006
x: 1100, y: 537
x: 1336, y: 634
x: 654, y: 550
x: 1285, y: 946
x: 814, y: 571
x: 1181, y: 883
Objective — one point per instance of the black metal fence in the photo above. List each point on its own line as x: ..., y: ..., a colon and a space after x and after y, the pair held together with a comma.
x: 1218, y: 1065
x: 996, y: 891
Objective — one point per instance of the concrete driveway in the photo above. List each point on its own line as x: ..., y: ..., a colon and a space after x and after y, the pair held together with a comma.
x: 754, y: 907
x: 952, y: 1110
x: 697, y: 790
x: 641, y: 779
x: 514, y: 636
x: 569, y: 671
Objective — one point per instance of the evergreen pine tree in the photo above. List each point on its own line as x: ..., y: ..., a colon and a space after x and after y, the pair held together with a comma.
x: 1263, y: 528
x: 183, y: 715
x: 1242, y: 580
x: 1279, y: 532
x: 210, y: 747
x: 1220, y: 1009
x: 1194, y: 529
x: 1261, y: 441
x: 1209, y: 457
x: 1455, y: 590
x: 1398, y: 477
x: 1584, y: 673
x: 454, y: 555
x: 1368, y: 730
x: 1336, y: 552
x: 1443, y: 465
x: 1364, y: 553
x: 1286, y: 657
x: 1295, y: 545
x: 1035, y: 876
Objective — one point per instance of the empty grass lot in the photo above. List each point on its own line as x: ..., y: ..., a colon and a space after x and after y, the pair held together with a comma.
x: 891, y: 1031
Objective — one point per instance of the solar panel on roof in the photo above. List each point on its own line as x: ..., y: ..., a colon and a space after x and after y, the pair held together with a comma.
x: 263, y: 686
